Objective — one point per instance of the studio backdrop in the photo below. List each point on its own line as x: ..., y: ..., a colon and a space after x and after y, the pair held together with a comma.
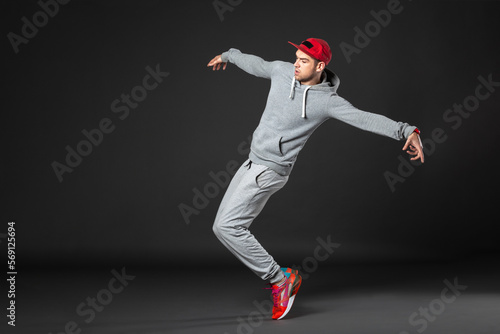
x: 119, y: 141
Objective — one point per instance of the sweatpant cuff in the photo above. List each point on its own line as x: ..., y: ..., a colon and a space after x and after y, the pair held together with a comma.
x: 278, y: 277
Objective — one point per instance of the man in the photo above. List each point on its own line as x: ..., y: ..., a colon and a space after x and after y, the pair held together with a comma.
x: 302, y: 96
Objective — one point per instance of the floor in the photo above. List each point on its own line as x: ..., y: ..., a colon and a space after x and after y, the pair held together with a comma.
x: 450, y: 297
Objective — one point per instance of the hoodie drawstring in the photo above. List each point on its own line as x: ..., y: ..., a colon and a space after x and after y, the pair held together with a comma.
x: 292, y: 90
x: 292, y: 95
x: 304, y: 102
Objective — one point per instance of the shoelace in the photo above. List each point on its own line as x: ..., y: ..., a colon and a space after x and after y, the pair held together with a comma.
x: 276, y: 292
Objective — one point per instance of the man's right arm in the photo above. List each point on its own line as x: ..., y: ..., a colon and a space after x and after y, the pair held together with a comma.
x: 249, y: 63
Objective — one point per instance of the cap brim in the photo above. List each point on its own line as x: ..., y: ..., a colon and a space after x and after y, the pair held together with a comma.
x: 303, y: 50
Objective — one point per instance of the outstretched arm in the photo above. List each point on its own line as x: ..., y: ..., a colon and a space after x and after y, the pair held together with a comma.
x: 249, y: 63
x: 344, y: 111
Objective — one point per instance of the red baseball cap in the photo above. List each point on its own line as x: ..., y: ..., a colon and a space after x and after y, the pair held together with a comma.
x: 316, y: 48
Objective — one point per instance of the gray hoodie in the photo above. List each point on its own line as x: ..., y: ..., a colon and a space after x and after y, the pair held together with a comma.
x: 293, y: 111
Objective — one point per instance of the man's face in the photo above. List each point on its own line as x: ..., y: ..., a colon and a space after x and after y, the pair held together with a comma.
x: 305, y: 67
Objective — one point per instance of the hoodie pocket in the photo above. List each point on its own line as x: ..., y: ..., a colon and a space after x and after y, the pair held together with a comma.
x: 280, y: 150
x: 274, y: 145
x: 267, y: 144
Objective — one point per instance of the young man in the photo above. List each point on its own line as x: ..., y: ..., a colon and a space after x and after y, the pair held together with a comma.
x: 302, y: 96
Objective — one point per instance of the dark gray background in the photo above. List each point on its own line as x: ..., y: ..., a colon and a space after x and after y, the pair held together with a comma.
x: 120, y: 205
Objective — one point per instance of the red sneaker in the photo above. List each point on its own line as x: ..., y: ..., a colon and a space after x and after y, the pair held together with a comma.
x: 284, y: 295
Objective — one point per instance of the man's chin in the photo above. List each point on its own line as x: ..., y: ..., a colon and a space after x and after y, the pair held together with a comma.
x: 301, y: 78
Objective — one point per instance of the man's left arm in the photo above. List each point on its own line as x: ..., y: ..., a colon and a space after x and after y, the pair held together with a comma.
x: 341, y: 109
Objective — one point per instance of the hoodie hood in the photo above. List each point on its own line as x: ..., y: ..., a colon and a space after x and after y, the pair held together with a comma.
x: 329, y: 83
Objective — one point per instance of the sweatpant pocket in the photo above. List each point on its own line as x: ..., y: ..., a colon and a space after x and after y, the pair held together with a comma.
x: 269, y: 178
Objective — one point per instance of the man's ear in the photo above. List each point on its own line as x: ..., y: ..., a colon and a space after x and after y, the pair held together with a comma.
x: 320, y: 67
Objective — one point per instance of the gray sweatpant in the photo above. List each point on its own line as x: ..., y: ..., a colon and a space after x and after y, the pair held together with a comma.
x: 246, y: 196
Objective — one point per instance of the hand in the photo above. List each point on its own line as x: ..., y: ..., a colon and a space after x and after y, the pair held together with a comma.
x: 216, y: 63
x: 415, y: 147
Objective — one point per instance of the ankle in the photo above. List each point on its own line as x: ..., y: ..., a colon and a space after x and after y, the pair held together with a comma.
x: 281, y: 281
x: 278, y: 278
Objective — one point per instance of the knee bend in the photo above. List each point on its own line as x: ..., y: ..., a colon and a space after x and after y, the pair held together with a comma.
x: 220, y: 229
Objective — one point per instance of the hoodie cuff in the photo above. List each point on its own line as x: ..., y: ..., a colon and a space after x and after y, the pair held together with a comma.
x: 225, y: 56
x: 408, y: 131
